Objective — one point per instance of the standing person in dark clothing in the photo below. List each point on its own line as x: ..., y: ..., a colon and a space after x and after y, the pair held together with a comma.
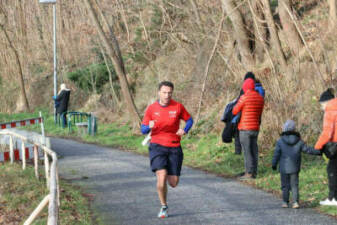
x: 287, y: 152
x: 250, y: 105
x: 61, y: 102
x: 329, y: 134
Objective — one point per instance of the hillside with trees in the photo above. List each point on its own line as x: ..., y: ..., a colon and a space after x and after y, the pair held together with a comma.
x: 113, y: 54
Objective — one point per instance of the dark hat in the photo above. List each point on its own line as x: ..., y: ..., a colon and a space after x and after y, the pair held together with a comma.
x: 249, y: 75
x: 326, y: 95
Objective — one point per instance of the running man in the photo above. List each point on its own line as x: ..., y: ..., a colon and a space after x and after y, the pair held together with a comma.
x: 162, y: 118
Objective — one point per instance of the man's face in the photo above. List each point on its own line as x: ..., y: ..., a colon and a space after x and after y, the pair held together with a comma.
x: 165, y: 95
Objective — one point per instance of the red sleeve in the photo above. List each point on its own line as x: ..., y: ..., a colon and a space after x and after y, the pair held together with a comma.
x: 238, y: 107
x: 183, y: 113
x: 147, y: 116
x: 328, y: 129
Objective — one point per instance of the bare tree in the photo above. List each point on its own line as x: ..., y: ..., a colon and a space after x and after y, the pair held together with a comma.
x: 196, y: 14
x: 293, y: 37
x: 275, y: 40
x: 240, y: 32
x: 110, y: 75
x: 18, y: 63
x: 259, y: 35
x: 117, y: 62
x: 332, y: 13
x: 259, y: 31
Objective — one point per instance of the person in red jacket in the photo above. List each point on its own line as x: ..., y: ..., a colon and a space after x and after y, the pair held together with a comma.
x: 163, y: 118
x: 329, y: 134
x: 250, y: 105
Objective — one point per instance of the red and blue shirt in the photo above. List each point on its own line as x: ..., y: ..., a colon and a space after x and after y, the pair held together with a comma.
x: 166, y: 122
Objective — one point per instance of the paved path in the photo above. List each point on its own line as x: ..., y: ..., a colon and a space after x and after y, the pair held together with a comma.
x: 125, y: 192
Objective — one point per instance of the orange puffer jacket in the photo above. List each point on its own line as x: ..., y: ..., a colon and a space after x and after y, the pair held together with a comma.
x: 251, y: 106
x: 329, y: 133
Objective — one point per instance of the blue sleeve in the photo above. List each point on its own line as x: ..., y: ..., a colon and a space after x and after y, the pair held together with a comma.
x: 260, y: 90
x: 145, y: 129
x: 188, y: 125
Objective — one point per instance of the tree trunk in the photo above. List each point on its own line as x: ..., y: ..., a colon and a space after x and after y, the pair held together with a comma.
x: 110, y: 76
x: 294, y: 41
x: 260, y: 31
x: 240, y: 32
x: 18, y: 62
x: 332, y: 14
x: 117, y: 63
x: 275, y: 40
x: 196, y: 14
x: 259, y: 36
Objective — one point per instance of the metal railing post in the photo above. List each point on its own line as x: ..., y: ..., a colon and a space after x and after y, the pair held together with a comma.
x: 23, y: 154
x: 11, y: 149
x: 36, y: 162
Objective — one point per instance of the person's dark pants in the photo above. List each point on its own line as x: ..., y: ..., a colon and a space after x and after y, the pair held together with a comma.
x: 237, y: 143
x: 248, y: 140
x: 289, y: 182
x: 63, y: 118
x: 332, y: 177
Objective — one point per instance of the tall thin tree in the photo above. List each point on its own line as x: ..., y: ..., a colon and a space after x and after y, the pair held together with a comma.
x: 276, y: 43
x: 18, y: 63
x: 332, y: 14
x: 294, y: 40
x: 117, y: 61
x: 240, y: 32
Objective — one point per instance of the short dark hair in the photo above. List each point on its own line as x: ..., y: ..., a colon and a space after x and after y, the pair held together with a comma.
x: 166, y: 83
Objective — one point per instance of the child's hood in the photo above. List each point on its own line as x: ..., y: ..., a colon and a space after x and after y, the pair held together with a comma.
x: 291, y: 137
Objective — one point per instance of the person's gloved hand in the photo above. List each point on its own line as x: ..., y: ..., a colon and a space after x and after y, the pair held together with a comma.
x: 274, y: 167
x: 54, y: 97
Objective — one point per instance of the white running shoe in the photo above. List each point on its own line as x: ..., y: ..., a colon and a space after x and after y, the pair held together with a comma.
x: 163, y: 213
x: 328, y: 202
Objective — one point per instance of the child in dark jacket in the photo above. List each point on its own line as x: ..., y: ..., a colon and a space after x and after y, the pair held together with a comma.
x: 288, y: 153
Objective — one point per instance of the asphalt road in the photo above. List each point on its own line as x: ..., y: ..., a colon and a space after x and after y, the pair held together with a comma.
x: 124, y: 192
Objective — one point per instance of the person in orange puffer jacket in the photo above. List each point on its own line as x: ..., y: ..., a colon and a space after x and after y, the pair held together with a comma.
x: 329, y: 134
x: 250, y: 105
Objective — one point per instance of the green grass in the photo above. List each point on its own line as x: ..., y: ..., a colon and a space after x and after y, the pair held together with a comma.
x: 21, y: 192
x: 210, y: 154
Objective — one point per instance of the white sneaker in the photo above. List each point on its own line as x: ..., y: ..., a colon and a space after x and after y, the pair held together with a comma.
x: 163, y: 213
x: 334, y: 202
x: 328, y: 202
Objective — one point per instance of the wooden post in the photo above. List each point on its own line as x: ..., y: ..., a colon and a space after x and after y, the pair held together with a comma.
x: 46, y: 167
x: 23, y: 154
x: 37, y: 211
x: 36, y: 162
x: 53, y: 204
x: 11, y: 148
x: 58, y: 186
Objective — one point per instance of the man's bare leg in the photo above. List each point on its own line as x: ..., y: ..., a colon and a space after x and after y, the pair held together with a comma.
x: 162, y: 185
x: 173, y: 180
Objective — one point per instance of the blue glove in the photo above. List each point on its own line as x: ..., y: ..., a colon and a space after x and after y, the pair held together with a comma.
x: 54, y: 97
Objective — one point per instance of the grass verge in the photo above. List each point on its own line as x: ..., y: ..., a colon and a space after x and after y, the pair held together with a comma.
x: 21, y: 192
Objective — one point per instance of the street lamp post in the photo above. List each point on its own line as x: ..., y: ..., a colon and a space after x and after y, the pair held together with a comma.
x: 54, y: 48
